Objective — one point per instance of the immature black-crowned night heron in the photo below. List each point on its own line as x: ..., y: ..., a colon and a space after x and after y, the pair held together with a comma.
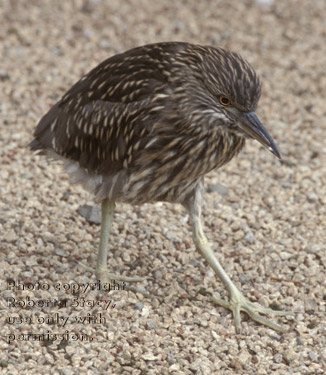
x: 147, y: 125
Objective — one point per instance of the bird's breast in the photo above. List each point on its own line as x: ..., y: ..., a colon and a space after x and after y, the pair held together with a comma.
x: 173, y: 170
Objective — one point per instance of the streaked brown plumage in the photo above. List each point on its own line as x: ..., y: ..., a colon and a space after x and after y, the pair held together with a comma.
x: 148, y: 124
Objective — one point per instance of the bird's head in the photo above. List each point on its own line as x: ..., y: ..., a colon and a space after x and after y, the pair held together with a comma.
x: 229, y: 90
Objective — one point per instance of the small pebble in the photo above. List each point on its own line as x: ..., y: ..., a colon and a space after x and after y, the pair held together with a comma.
x: 313, y: 356
x: 250, y: 238
x: 278, y: 358
x: 151, y: 324
x: 10, y: 236
x: 91, y: 213
x: 218, y: 188
x: 138, y: 306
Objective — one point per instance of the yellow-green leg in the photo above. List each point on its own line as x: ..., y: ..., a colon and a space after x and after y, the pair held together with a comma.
x: 102, y: 273
x: 237, y: 301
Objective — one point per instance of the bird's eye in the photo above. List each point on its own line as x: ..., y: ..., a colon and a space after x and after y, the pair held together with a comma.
x: 224, y: 100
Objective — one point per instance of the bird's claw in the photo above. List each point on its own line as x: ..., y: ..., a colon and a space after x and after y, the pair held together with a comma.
x: 239, y: 303
x: 105, y: 276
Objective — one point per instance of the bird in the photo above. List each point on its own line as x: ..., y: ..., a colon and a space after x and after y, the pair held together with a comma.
x: 147, y: 125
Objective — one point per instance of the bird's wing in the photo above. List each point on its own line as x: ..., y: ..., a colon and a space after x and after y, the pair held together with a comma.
x: 101, y: 136
x: 106, y: 115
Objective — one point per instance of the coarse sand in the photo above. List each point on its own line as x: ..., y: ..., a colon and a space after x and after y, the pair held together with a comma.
x: 265, y: 218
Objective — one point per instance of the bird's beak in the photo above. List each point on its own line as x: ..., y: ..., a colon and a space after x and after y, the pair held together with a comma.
x: 250, y: 124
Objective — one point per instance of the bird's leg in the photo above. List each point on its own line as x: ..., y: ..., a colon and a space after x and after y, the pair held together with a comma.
x: 101, y: 270
x: 237, y: 301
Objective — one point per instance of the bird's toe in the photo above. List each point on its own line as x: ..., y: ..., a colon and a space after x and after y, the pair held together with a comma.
x: 239, y: 303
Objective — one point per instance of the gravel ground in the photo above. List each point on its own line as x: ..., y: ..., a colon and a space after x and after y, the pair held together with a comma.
x: 265, y: 218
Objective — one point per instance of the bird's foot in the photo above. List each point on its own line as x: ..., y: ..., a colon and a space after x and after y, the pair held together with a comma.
x: 107, y: 277
x: 239, y: 303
